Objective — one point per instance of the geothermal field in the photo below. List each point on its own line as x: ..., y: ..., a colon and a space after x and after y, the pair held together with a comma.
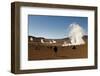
x: 74, y: 46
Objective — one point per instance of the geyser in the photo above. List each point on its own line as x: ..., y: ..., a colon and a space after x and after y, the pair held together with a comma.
x: 76, y: 32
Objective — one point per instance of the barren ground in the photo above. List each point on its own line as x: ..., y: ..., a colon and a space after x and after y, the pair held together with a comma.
x: 39, y: 51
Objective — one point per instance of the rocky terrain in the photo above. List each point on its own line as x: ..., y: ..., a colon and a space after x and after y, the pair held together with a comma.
x: 40, y: 48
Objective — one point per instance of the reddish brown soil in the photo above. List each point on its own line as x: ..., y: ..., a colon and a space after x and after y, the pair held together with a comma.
x: 39, y: 51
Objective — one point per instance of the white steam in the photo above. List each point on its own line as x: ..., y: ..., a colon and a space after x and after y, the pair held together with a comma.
x: 76, y: 32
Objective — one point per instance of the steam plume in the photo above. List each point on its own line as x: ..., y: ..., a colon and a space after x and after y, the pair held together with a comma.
x: 76, y: 32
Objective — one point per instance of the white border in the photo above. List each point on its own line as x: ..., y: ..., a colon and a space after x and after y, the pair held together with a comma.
x: 25, y: 64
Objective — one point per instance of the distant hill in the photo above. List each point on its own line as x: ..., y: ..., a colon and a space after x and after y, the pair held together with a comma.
x: 38, y: 39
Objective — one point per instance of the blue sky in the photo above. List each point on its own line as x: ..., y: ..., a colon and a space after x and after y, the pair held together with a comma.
x: 53, y: 27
